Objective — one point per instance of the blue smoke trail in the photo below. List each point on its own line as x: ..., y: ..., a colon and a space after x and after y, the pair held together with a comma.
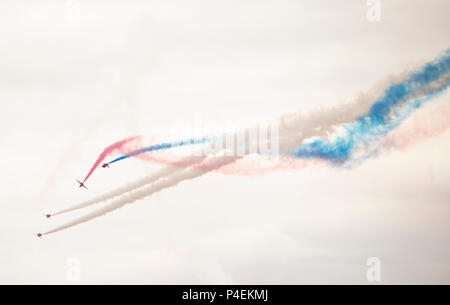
x: 396, y: 104
x: 161, y: 146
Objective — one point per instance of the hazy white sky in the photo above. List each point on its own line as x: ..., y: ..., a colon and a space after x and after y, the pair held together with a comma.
x: 76, y: 76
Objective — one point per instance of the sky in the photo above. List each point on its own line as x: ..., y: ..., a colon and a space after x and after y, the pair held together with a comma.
x: 76, y: 76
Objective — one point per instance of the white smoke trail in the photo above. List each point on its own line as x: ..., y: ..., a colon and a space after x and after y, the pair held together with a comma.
x: 161, y: 184
x: 131, y: 186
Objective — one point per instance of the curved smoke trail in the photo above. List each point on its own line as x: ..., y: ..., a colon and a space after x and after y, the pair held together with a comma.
x: 108, y: 150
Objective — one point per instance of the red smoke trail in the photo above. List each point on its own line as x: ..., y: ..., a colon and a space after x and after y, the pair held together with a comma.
x: 107, y: 151
x: 419, y: 128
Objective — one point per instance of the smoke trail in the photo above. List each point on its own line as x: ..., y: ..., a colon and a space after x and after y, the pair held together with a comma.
x: 169, y: 181
x: 131, y: 186
x: 108, y: 150
x: 163, y: 146
x: 418, y: 128
x: 397, y: 103
x: 422, y: 127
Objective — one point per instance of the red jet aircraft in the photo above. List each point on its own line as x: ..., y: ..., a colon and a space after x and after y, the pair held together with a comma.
x: 82, y: 184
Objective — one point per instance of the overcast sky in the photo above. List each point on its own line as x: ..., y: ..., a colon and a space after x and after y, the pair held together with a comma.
x: 76, y: 76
